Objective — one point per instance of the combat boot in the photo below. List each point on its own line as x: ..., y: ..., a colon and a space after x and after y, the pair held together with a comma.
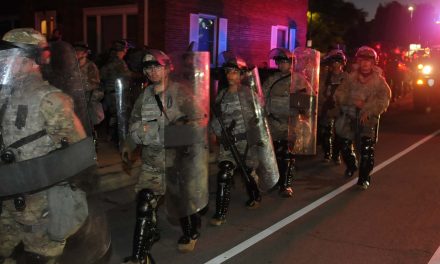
x: 367, y: 162
x: 189, y: 224
x: 286, y: 176
x: 146, y: 232
x: 348, y: 156
x: 253, y: 191
x: 224, y: 181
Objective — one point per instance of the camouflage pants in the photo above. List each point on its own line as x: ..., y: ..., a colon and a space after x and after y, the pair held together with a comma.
x: 49, y: 218
x: 29, y: 227
x: 345, y: 127
x: 226, y: 155
x: 152, y: 174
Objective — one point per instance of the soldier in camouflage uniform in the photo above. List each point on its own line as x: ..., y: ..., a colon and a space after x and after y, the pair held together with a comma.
x: 277, y: 95
x: 115, y: 68
x: 163, y: 105
x: 91, y: 82
x: 362, y: 98
x: 232, y: 114
x: 36, y: 120
x: 330, y: 80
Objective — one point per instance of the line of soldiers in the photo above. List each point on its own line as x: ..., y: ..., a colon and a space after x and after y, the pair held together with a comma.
x: 262, y: 129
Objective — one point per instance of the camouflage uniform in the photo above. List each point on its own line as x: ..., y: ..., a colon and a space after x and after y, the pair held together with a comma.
x: 173, y: 165
x: 328, y: 112
x: 277, y: 90
x: 91, y: 82
x: 277, y: 101
x: 146, y: 112
x: 231, y: 109
x: 52, y: 110
x: 375, y: 94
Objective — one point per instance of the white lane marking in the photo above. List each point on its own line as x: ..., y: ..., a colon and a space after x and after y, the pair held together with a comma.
x: 436, y: 258
x: 277, y: 226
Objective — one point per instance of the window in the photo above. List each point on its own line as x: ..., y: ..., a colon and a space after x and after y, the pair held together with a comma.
x: 210, y: 34
x: 45, y: 22
x: 103, y: 25
x: 282, y: 37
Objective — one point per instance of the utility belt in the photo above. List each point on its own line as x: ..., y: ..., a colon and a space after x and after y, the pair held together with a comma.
x: 8, y: 154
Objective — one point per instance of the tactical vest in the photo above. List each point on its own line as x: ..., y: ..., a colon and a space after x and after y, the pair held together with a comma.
x: 278, y: 97
x: 334, y: 81
x: 151, y: 112
x: 23, y: 118
x: 231, y: 110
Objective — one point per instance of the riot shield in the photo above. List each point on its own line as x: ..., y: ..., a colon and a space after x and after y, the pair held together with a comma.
x: 186, y: 140
x: 303, y: 102
x: 32, y: 158
x: 257, y: 130
x: 63, y: 73
x: 123, y: 107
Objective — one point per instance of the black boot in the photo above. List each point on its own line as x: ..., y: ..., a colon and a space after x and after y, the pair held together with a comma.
x: 348, y: 156
x: 253, y: 192
x: 224, y: 180
x: 367, y: 162
x: 327, y: 142
x: 190, y: 225
x: 286, y: 167
x: 146, y: 232
x: 336, y: 151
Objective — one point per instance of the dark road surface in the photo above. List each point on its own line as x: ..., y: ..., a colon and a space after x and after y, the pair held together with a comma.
x: 397, y: 220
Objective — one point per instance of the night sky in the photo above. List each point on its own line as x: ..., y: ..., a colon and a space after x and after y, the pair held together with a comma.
x: 370, y: 6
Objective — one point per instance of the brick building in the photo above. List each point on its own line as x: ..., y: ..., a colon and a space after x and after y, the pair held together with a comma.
x: 248, y: 27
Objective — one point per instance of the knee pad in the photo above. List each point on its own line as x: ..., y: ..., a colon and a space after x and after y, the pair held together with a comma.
x: 147, y: 202
x: 226, y: 171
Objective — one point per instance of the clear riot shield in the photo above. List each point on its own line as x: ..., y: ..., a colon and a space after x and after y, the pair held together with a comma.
x: 31, y: 159
x: 63, y: 73
x: 257, y: 130
x: 123, y: 107
x: 186, y: 139
x: 303, y: 102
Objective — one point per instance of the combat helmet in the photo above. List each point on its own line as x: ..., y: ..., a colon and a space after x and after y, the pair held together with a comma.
x: 281, y: 55
x: 366, y: 52
x: 233, y: 61
x: 155, y: 57
x: 335, y: 55
x: 29, y: 40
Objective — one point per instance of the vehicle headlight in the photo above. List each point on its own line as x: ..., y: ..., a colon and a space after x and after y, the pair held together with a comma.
x: 427, y: 69
x: 420, y: 66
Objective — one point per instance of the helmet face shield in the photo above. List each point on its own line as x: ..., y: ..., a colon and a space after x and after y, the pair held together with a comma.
x: 279, y: 60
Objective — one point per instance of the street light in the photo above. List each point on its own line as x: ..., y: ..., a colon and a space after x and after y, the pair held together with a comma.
x: 411, y: 10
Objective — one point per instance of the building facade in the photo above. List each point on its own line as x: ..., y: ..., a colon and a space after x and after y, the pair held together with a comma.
x: 249, y: 28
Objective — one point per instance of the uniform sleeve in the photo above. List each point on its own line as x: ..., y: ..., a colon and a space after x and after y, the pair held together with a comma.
x: 214, y: 124
x: 379, y: 99
x: 93, y: 76
x: 61, y: 120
